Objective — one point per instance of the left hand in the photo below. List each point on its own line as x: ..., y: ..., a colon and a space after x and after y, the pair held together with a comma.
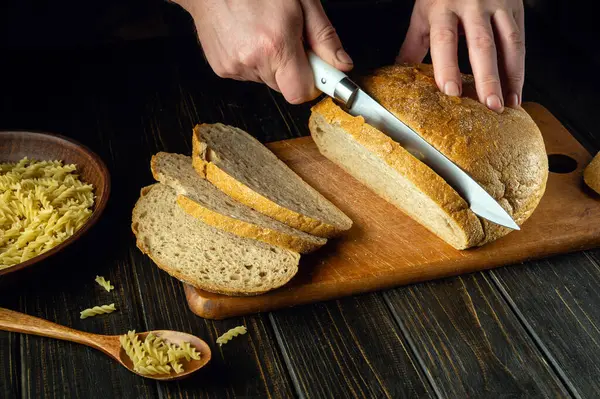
x: 493, y: 52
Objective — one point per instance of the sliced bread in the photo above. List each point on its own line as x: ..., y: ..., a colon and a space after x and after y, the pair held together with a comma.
x: 203, y: 256
x: 202, y: 200
x: 504, y: 153
x: 249, y: 172
x: 394, y: 174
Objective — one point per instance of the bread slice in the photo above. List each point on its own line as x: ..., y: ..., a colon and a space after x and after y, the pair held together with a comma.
x: 247, y: 171
x: 504, y: 153
x: 203, y: 256
x: 204, y: 201
x: 591, y: 174
x: 394, y: 174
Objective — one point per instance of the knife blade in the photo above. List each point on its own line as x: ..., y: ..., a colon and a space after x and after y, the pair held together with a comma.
x: 336, y: 84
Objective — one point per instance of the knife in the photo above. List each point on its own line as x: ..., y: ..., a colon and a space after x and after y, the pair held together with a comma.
x: 339, y: 86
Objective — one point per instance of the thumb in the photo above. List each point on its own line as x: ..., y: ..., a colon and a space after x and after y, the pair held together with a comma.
x: 322, y: 38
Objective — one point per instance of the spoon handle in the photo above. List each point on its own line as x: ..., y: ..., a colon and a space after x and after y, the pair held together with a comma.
x: 22, y: 323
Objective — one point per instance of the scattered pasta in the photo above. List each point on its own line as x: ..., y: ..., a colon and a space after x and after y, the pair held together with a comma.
x: 96, y: 310
x: 156, y: 356
x: 104, y: 283
x: 229, y: 335
x: 41, y: 205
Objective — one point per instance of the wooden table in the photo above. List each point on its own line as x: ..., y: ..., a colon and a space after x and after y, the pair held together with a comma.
x: 530, y: 330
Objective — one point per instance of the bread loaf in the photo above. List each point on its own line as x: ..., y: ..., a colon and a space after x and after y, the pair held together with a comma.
x: 591, y: 174
x: 203, y: 256
x: 505, y: 153
x: 247, y: 171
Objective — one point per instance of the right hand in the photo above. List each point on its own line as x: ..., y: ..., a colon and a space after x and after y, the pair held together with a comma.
x: 262, y: 41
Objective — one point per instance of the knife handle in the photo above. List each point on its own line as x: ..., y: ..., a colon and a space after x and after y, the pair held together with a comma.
x: 331, y: 81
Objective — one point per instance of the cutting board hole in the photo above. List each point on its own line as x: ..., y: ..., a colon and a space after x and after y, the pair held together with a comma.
x: 560, y: 163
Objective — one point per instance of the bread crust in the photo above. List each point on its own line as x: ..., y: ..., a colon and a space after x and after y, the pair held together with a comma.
x: 591, y: 174
x: 244, y: 229
x: 399, y: 159
x: 505, y: 152
x: 245, y: 195
x: 239, y: 227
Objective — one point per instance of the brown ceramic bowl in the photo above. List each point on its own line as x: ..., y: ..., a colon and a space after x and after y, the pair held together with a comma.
x: 15, y: 145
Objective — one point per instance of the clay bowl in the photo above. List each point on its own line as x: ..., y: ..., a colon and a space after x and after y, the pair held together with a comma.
x: 15, y: 145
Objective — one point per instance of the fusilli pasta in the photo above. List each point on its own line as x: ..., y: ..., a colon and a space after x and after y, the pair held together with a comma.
x: 127, y: 345
x: 229, y: 335
x: 156, y: 356
x: 154, y: 350
x: 104, y: 283
x: 151, y: 369
x: 177, y: 367
x: 190, y: 351
x: 96, y: 310
x: 41, y: 205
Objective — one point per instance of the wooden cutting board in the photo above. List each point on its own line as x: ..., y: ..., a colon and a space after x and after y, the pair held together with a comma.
x: 385, y: 248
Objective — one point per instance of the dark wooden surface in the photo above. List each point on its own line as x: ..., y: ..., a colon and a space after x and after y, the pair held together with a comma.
x: 529, y: 330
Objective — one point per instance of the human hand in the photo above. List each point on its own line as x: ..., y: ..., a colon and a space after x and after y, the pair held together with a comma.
x: 495, y: 34
x: 262, y: 41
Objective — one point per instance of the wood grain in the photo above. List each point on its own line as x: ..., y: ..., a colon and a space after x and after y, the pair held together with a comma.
x: 470, y: 342
x: 9, y: 367
x: 345, y: 339
x: 557, y: 301
x: 385, y: 248
x: 248, y: 366
x: 58, y: 293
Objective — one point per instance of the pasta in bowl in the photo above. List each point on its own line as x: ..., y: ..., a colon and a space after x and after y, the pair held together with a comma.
x: 52, y: 190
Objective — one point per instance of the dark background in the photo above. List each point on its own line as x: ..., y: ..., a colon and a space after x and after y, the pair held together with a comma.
x: 75, y: 22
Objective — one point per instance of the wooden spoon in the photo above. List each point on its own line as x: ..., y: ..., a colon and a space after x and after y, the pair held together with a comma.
x: 109, y: 344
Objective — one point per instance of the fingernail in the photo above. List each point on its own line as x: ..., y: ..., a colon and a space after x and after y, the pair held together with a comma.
x: 451, y: 89
x: 343, y: 57
x: 493, y: 102
x: 513, y: 100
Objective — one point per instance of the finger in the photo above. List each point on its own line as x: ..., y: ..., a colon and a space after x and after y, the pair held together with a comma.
x: 444, y: 52
x: 484, y: 60
x: 273, y: 85
x: 416, y: 43
x: 512, y: 42
x: 294, y: 77
x: 519, y: 16
x: 322, y: 37
x: 268, y: 79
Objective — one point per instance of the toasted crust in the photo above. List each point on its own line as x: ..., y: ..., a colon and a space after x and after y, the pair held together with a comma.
x: 504, y: 152
x: 591, y: 174
x: 206, y: 286
x: 244, y: 229
x: 252, y: 199
x: 468, y: 228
